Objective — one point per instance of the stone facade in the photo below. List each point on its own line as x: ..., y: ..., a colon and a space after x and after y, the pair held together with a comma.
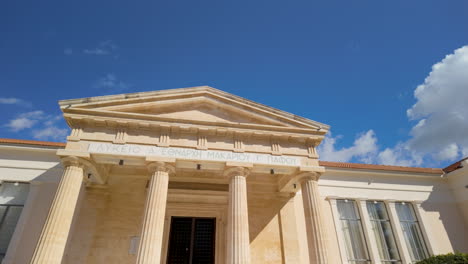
x: 133, y: 162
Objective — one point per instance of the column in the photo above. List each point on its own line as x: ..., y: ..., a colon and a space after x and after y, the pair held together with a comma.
x: 51, y: 245
x: 238, y: 242
x: 313, y: 218
x: 149, y: 250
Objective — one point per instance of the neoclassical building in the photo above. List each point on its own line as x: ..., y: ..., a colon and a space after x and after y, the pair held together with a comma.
x: 198, y: 175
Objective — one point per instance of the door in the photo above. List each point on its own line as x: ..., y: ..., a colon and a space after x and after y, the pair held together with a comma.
x: 191, y: 240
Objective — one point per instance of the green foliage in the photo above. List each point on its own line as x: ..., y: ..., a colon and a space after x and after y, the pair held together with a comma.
x: 457, y: 258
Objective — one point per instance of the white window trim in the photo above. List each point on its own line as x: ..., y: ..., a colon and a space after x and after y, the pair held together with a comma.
x: 424, y: 226
x: 371, y: 244
x: 339, y: 234
x: 367, y: 226
x: 21, y: 224
x: 398, y: 232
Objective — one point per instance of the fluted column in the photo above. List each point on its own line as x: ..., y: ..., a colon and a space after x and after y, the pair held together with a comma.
x: 238, y: 242
x: 149, y: 250
x: 313, y: 218
x: 51, y: 245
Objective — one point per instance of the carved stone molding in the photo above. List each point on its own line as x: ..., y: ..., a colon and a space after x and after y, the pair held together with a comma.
x: 305, y: 176
x: 72, y: 161
x: 236, y: 171
x: 120, y: 136
x: 158, y: 166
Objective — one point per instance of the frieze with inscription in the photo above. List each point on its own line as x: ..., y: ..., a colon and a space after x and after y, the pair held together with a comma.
x: 192, y: 154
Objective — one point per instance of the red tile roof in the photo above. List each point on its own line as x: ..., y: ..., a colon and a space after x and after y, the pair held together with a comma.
x: 332, y: 164
x: 454, y: 166
x: 31, y: 142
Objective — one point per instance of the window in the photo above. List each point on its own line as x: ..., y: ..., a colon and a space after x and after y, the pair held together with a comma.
x: 12, y: 199
x: 352, y: 232
x: 383, y: 232
x: 411, y: 231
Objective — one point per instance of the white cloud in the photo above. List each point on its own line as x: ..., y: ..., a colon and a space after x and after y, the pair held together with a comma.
x: 110, y: 82
x: 14, y: 101
x: 442, y: 109
x: 25, y: 120
x: 103, y: 48
x: 366, y: 150
x: 399, y: 155
x: 50, y: 132
x: 363, y: 148
x: 20, y: 123
x: 440, y: 134
x: 42, y: 126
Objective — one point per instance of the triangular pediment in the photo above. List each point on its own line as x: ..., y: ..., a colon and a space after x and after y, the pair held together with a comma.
x: 198, y: 106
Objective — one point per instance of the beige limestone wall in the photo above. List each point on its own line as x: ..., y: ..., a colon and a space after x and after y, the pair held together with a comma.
x: 265, y: 231
x: 458, y: 181
x: 272, y: 222
x: 109, y: 217
x: 445, y: 226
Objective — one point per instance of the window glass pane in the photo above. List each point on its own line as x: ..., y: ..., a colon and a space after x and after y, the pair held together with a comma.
x: 383, y: 232
x: 405, y: 212
x: 3, y: 209
x: 352, y: 232
x: 12, y: 198
x: 411, y: 231
x: 8, y: 226
x: 347, y: 209
x: 377, y: 210
x: 13, y: 193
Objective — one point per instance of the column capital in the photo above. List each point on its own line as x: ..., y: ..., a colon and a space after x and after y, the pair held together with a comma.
x: 306, y: 176
x: 71, y: 161
x: 89, y: 167
x: 236, y: 171
x: 158, y: 166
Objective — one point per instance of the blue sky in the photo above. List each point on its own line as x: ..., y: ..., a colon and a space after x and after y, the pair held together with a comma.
x: 354, y: 65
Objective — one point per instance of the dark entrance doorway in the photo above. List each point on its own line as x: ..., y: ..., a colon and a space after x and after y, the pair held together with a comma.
x: 191, y: 240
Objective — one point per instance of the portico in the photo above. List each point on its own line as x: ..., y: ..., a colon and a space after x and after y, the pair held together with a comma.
x: 141, y: 160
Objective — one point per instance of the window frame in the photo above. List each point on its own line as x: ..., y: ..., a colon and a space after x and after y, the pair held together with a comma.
x: 337, y: 224
x: 359, y: 220
x: 8, y: 206
x: 369, y: 236
x: 393, y: 229
x: 420, y: 228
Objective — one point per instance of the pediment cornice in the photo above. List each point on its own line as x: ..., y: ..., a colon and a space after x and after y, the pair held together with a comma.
x: 206, y: 108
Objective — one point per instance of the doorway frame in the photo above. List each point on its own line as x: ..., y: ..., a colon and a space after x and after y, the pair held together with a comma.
x: 217, y: 210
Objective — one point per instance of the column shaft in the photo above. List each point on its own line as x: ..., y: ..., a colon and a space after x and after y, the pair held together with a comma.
x: 51, y: 245
x: 149, y: 250
x: 238, y: 242
x: 313, y: 219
